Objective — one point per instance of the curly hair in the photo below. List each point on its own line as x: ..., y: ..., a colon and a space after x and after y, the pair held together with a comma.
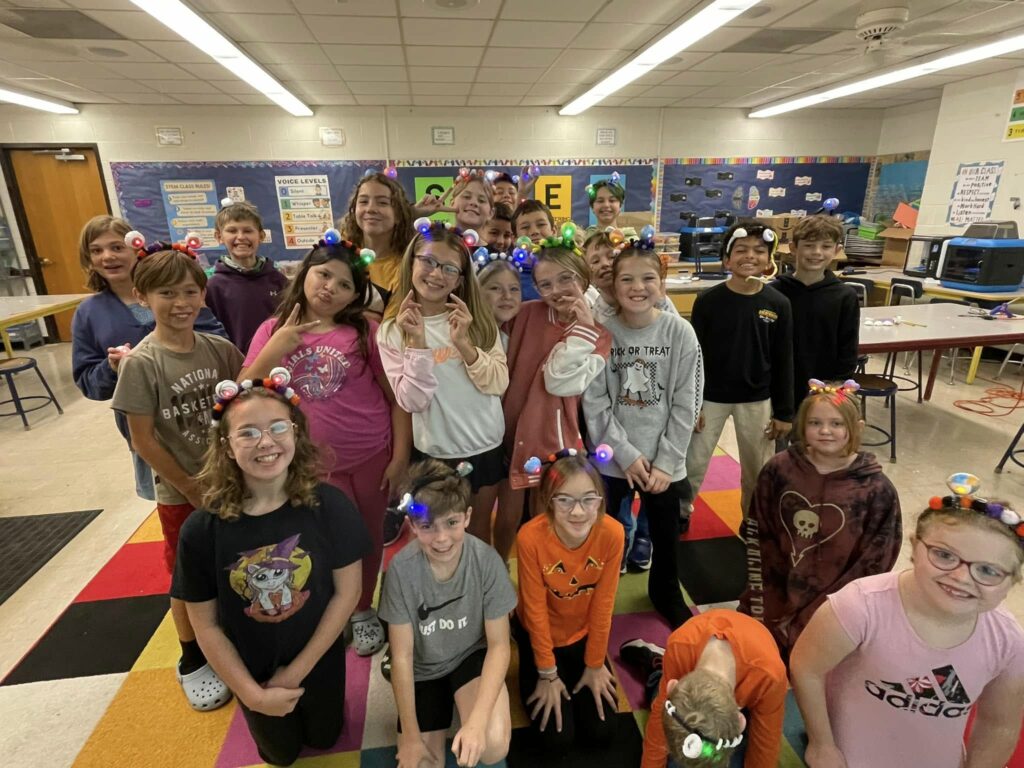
x: 400, y: 235
x: 222, y: 482
x: 94, y: 228
x: 706, y: 703
x: 445, y: 491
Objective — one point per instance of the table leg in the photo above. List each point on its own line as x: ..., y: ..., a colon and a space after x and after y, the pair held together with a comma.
x: 975, y: 362
x: 932, y: 373
x: 7, y: 343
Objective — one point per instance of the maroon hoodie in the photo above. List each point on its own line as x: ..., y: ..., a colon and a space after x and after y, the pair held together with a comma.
x: 808, y: 535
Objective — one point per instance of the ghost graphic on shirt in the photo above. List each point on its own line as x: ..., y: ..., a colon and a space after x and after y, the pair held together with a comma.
x: 271, y: 578
x: 639, y: 387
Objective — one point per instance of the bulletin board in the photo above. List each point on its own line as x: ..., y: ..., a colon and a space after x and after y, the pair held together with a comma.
x: 897, y: 179
x: 561, y: 186
x: 297, y: 199
x: 759, y: 186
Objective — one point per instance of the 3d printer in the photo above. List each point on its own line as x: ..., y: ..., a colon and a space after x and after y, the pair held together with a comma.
x: 988, y: 258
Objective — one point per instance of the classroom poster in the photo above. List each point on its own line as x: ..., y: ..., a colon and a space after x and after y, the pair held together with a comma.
x: 191, y: 206
x: 974, y: 192
x: 1015, y: 122
x: 305, y: 205
x: 437, y: 186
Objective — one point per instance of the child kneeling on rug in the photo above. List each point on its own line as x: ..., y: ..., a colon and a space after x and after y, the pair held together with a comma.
x: 270, y: 569
x: 446, y: 601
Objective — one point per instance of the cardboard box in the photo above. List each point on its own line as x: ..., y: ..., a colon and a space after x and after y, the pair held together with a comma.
x: 783, y: 224
x: 897, y: 243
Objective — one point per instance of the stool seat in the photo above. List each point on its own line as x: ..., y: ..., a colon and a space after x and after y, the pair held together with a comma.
x: 9, y: 367
x: 872, y: 385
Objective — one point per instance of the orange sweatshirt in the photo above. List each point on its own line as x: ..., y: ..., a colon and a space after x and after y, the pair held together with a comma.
x: 760, y: 683
x: 567, y: 594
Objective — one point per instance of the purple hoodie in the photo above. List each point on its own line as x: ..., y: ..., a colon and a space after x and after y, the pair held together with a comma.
x: 243, y: 300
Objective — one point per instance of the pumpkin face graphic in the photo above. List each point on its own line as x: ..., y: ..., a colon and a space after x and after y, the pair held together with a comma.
x: 568, y: 586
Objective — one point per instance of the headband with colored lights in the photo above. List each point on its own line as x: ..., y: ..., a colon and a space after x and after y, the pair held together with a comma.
x: 645, y: 242
x: 566, y: 238
x: 613, y: 186
x: 839, y: 392
x: 332, y: 237
x: 228, y: 390
x: 430, y: 227
x: 137, y: 242
x: 483, y: 256
x: 697, y: 744
x: 535, y: 465
x: 409, y: 506
x: 964, y: 486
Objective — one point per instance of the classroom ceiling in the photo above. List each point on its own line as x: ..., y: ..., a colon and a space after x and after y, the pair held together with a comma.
x: 481, y: 53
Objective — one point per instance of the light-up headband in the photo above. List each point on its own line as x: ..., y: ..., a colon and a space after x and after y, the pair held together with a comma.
x: 697, y: 744
x: 227, y: 391
x: 964, y: 485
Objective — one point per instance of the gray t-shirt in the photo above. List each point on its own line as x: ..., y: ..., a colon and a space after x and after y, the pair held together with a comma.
x: 176, y: 389
x: 447, y: 618
x: 647, y: 399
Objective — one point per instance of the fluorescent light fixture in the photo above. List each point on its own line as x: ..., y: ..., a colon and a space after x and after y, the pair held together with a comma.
x: 192, y: 27
x: 37, y: 102
x: 947, y: 61
x: 717, y: 14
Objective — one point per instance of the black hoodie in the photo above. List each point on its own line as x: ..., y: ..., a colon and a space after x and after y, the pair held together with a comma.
x: 826, y: 328
x: 808, y: 535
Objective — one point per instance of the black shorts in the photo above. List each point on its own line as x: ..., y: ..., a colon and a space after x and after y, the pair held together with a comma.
x: 489, y: 467
x: 435, y: 699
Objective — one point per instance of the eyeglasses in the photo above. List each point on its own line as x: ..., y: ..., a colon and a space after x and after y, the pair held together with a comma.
x: 563, y: 282
x: 448, y: 270
x: 252, y: 435
x: 986, y: 574
x: 450, y: 524
x: 565, y: 503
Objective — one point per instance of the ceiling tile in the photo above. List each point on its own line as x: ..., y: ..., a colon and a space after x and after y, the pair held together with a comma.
x: 491, y: 101
x: 259, y: 100
x: 365, y: 88
x: 498, y: 55
x: 347, y: 8
x: 674, y: 91
x: 728, y: 91
x: 146, y: 98
x: 178, y: 52
x: 508, y: 75
x: 443, y: 55
x: 234, y: 87
x: 654, y: 77
x: 652, y: 11
x: 241, y: 6
x: 551, y: 89
x: 383, y: 100
x: 456, y: 32
x: 388, y: 55
x: 333, y: 99
x: 722, y: 39
x: 261, y: 28
x: 545, y: 11
x: 112, y: 50
x: 697, y: 78
x: 538, y: 101
x: 683, y: 60
x: 115, y: 86
x: 438, y: 101
x: 355, y: 29
x: 327, y: 87
x: 97, y: 5
x: 820, y: 14
x: 134, y: 25
x: 371, y: 73
x: 698, y: 101
x: 597, y: 35
x: 15, y: 70
x: 175, y: 87
x: 207, y: 71
x: 303, y: 71
x: 562, y: 76
x: 440, y: 89
x: 528, y: 34
x: 501, y: 89
x: 38, y: 50
x: 442, y: 74
x: 205, y: 98
x: 734, y: 62
x: 288, y: 53
x: 483, y: 9
x: 598, y: 58
x: 150, y: 71
x: 649, y: 101
x: 70, y: 69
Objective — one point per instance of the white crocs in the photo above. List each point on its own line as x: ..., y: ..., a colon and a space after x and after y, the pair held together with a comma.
x: 203, y: 688
x: 367, y: 633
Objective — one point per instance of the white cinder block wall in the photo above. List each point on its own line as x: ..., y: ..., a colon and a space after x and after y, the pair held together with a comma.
x: 909, y: 128
x: 972, y: 119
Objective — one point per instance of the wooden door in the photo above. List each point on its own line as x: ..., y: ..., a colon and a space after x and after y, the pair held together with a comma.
x: 58, y: 197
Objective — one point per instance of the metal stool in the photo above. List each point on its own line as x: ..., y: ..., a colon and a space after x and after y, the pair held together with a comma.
x: 913, y: 290
x: 8, y: 368
x: 872, y: 385
x: 1012, y: 452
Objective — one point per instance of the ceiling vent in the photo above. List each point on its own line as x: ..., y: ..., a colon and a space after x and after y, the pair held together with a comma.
x: 56, y: 25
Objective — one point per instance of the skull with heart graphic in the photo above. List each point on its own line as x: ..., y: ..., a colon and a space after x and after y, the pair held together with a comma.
x: 808, y: 525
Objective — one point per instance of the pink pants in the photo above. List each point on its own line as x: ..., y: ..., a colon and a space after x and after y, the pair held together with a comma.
x: 361, y: 484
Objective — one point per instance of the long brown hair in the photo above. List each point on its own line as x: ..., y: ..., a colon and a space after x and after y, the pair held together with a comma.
x: 401, y: 234
x: 94, y: 227
x: 352, y: 315
x: 484, y: 330
x: 222, y: 482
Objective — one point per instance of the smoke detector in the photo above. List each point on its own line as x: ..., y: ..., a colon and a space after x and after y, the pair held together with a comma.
x: 879, y: 22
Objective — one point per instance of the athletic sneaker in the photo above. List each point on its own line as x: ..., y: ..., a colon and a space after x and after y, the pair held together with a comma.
x: 625, y: 558
x: 641, y: 655
x: 640, y: 554
x: 394, y: 524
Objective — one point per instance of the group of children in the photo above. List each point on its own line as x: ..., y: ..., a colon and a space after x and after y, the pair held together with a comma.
x: 403, y: 375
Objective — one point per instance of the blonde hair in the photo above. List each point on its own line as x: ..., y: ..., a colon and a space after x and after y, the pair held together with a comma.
x: 954, y: 515
x: 243, y: 211
x: 705, y: 702
x: 443, y: 492
x: 492, y: 269
x: 565, y: 259
x: 559, y: 473
x: 848, y: 409
x: 461, y: 184
x: 94, y: 227
x: 222, y: 482
x: 484, y: 330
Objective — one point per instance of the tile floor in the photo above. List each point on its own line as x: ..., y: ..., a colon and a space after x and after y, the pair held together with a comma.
x: 78, y: 461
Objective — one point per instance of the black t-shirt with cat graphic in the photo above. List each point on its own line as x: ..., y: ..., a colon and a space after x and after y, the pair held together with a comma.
x: 271, y: 575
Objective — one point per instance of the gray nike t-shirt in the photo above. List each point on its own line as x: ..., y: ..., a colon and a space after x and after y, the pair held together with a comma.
x: 447, y: 618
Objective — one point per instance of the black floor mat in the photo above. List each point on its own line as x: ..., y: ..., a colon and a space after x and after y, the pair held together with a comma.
x: 27, y: 543
x: 625, y: 750
x: 713, y: 570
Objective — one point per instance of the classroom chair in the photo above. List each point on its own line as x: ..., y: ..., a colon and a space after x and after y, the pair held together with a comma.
x: 900, y: 289
x: 862, y: 287
x: 9, y: 367
x: 952, y: 357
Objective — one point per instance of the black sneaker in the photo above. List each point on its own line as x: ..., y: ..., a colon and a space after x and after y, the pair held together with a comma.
x: 685, y: 512
x: 641, y: 654
x: 394, y: 524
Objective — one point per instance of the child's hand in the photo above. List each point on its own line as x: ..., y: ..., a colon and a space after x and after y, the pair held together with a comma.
x: 276, y: 702
x: 116, y: 354
x: 638, y: 474
x: 548, y: 695
x: 459, y: 320
x: 468, y: 744
x: 394, y: 472
x: 601, y: 684
x: 699, y: 426
x: 777, y: 429
x: 526, y: 185
x: 192, y: 493
x: 580, y: 308
x: 291, y: 332
x: 412, y: 752
x: 410, y: 321
x: 820, y: 756
x: 431, y: 204
x: 658, y: 481
x: 284, y: 677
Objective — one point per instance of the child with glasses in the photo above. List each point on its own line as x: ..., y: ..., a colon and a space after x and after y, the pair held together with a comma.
x: 891, y: 666
x: 446, y: 600
x: 270, y: 569
x: 444, y: 358
x: 568, y: 565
